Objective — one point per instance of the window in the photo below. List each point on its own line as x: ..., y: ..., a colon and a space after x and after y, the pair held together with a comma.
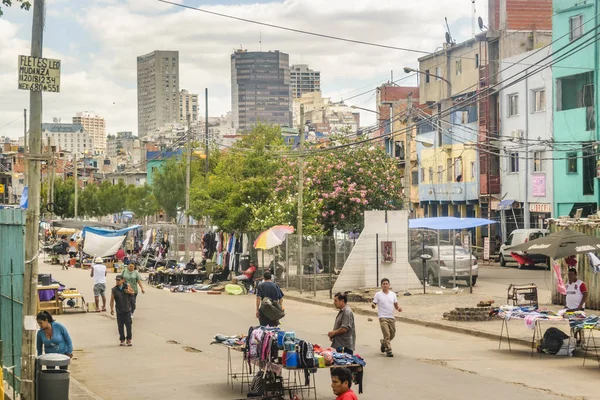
x: 449, y: 177
x: 438, y: 73
x: 415, y: 177
x: 538, y: 157
x: 476, y: 60
x: 473, y: 169
x: 588, y: 159
x: 427, y: 76
x: 422, y: 174
x: 539, y: 100
x: 513, y: 105
x: 430, y: 174
x: 458, y: 169
x: 513, y: 160
x: 575, y: 27
x: 440, y: 174
x: 458, y: 67
x: 575, y: 91
x: 571, y: 163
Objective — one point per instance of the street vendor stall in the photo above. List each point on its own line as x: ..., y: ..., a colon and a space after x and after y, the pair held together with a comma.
x: 277, y: 365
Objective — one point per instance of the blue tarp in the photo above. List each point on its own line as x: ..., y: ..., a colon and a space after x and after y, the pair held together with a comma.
x: 442, y: 223
x: 109, y: 232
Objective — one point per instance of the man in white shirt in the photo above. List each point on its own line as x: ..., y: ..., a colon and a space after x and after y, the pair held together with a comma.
x: 386, y: 301
x: 576, y: 298
x: 99, y: 275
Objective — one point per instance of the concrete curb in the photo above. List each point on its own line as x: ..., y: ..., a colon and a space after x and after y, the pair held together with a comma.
x: 414, y: 321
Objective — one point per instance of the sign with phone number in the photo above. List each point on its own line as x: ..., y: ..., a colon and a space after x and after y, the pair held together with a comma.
x: 39, y: 74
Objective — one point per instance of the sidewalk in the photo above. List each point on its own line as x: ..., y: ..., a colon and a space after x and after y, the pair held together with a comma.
x: 428, y: 309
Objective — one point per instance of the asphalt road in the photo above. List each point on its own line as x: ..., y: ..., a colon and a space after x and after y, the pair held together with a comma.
x: 171, y: 357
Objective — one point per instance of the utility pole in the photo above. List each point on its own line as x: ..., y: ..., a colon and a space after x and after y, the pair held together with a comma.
x: 76, y: 177
x: 408, y: 161
x: 188, y: 171
x: 206, y: 165
x: 300, y: 196
x: 28, y: 352
x: 25, y: 142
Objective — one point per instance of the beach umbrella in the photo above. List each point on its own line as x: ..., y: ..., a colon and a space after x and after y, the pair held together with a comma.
x: 272, y: 237
x: 560, y: 244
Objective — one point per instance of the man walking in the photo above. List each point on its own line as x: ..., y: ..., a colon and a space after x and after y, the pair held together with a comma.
x: 269, y: 315
x: 386, y: 301
x: 99, y: 275
x: 121, y: 298
x: 343, y: 335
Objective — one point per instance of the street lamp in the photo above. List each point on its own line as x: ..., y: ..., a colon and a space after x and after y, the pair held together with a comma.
x: 408, y: 70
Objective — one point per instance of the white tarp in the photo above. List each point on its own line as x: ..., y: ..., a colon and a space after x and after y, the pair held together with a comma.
x: 102, y: 246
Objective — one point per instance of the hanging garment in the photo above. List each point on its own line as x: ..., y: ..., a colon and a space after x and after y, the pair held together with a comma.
x: 560, y: 284
x: 594, y: 262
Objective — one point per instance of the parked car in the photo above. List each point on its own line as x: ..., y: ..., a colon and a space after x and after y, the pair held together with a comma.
x: 519, y: 236
x: 445, y: 269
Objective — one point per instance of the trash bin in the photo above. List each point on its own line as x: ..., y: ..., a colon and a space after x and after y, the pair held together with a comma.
x: 52, y: 383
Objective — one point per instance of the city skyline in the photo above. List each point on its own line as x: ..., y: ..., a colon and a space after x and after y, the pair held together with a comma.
x: 99, y: 60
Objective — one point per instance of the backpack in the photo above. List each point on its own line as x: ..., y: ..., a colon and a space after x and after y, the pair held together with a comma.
x: 271, y: 309
x: 306, y: 355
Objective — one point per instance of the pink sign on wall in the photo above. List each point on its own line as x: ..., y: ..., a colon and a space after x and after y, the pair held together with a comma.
x: 539, y: 185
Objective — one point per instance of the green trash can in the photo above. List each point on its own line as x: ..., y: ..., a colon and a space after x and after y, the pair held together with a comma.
x: 51, y: 382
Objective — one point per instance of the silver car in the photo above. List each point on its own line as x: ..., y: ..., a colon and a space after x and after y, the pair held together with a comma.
x: 445, y: 269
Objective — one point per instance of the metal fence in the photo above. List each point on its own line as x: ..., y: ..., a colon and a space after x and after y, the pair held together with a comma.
x: 177, y: 239
x: 322, y: 260
x: 12, y: 263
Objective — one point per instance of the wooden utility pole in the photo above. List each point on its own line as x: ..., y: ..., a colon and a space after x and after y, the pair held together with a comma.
x: 188, y: 171
x: 76, y: 177
x: 300, y: 196
x: 407, y: 155
x: 206, y: 164
x: 28, y: 351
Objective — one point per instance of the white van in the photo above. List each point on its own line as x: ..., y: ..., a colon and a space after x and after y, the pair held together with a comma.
x: 519, y: 236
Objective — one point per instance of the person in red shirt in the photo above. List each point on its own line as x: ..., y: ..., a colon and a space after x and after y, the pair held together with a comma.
x: 248, y: 274
x: 341, y: 382
x: 120, y: 254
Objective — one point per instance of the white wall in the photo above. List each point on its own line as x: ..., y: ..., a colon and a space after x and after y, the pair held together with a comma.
x: 536, y: 127
x: 360, y: 269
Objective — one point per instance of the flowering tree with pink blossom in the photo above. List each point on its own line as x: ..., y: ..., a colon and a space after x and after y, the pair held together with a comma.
x: 339, y: 186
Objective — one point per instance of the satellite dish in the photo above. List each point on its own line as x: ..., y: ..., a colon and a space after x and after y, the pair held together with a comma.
x: 448, y: 38
x: 480, y: 22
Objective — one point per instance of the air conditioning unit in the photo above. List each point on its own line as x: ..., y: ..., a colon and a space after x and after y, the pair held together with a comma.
x: 517, y: 134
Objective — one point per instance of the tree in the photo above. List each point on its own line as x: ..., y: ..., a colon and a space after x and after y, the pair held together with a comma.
x: 141, y: 201
x: 24, y: 4
x: 89, y: 202
x: 243, y: 178
x: 340, y: 185
x: 112, y: 198
x: 168, y: 187
x: 64, y: 198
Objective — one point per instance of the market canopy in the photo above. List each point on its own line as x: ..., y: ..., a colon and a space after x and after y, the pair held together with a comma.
x: 101, y: 242
x: 560, y: 244
x: 448, y: 223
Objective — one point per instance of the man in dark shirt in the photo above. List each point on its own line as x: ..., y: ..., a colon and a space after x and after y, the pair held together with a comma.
x: 268, y: 289
x: 121, y: 296
x: 343, y: 335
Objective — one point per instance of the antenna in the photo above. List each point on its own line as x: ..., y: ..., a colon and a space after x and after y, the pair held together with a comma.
x: 260, y: 41
x: 481, y: 25
x: 473, y: 12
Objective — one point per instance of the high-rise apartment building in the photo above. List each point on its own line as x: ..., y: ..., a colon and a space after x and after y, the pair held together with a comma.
x: 158, y: 90
x: 188, y: 104
x: 304, y: 80
x: 95, y: 126
x: 260, y: 89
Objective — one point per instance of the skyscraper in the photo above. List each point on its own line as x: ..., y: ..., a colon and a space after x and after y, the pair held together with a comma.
x: 158, y: 90
x: 260, y: 89
x: 188, y: 104
x: 304, y: 80
x: 95, y: 126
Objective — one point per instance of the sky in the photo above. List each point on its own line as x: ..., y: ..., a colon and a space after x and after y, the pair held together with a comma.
x: 98, y: 42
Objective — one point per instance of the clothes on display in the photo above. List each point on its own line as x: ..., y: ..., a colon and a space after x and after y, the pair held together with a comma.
x: 577, y: 319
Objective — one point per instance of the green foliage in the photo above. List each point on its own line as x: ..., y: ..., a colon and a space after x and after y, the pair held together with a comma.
x: 24, y: 4
x: 112, y: 198
x: 168, y: 187
x: 64, y: 198
x: 141, y: 201
x: 243, y: 179
x: 89, y: 201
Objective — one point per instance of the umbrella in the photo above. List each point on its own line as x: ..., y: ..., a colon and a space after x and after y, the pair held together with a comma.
x: 272, y: 237
x: 560, y: 244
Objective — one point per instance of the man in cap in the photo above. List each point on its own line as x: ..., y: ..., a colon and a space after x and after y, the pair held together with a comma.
x: 99, y: 275
x: 120, y: 299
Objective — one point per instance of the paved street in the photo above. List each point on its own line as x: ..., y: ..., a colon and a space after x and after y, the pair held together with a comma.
x: 496, y: 278
x: 172, y: 358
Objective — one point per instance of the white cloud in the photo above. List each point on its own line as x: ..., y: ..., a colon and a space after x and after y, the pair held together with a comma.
x: 122, y: 30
